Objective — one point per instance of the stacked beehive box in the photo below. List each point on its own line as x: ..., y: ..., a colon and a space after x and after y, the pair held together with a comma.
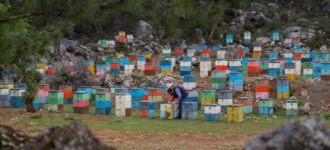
x: 265, y: 107
x: 114, y: 68
x: 147, y: 109
x: 225, y: 99
x: 166, y: 67
x: 67, y: 90
x: 212, y: 112
x: 235, y: 65
x: 141, y: 61
x: 137, y: 96
x: 185, y: 67
x: 205, y: 68
x: 103, y: 104
x: 263, y: 66
x: 189, y: 81
x: 4, y: 97
x: 325, y: 71
x: 305, y: 57
x: 218, y: 80
x: 123, y: 104
x: 246, y: 102
x: 206, y: 54
x: 274, y: 68
x: 236, y: 81
x: 81, y: 102
x: 207, y: 97
x: 55, y: 100
x: 17, y: 99
x: 262, y: 89
x: 282, y: 88
x: 308, y: 70
x: 221, y: 54
x: 122, y: 62
x: 253, y: 68
x: 156, y: 62
x: 129, y: 67
x: 149, y: 70
x: 100, y: 69
x: 317, y: 67
x: 167, y: 52
x: 193, y: 96
x: 256, y: 54
x: 240, y: 53
x: 189, y: 110
x: 221, y: 65
x: 245, y: 66
x: 291, y: 107
x: 288, y: 57
x: 289, y: 70
x: 39, y: 100
x: 155, y: 95
x: 272, y: 55
x: 191, y: 52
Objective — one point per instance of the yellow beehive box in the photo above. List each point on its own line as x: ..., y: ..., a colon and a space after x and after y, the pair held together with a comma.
x: 291, y: 77
x: 235, y: 113
x: 120, y: 55
x: 148, y: 55
x: 166, y: 72
x: 41, y: 66
x: 7, y: 85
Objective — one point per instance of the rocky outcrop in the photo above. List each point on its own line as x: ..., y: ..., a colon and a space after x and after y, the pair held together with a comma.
x: 326, y: 5
x: 71, y: 137
x: 143, y: 30
x: 310, y: 133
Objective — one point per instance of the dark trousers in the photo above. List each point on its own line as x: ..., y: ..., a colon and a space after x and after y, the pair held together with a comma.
x: 180, y: 107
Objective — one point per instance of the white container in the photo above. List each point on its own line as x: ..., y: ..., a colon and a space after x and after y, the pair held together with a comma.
x: 291, y: 106
x: 225, y: 102
x: 298, y: 68
x: 4, y: 91
x: 221, y: 54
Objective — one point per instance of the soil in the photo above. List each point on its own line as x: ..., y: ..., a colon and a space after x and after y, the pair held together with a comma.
x: 159, y: 141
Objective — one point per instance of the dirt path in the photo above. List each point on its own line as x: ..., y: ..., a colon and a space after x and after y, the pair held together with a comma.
x: 162, y: 141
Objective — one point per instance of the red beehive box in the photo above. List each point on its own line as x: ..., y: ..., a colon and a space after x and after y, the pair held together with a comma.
x: 206, y: 51
x: 240, y: 53
x: 50, y: 70
x: 262, y: 88
x: 114, y: 66
x: 133, y: 58
x: 178, y: 51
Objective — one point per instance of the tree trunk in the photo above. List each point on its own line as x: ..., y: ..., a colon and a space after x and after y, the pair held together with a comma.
x: 29, y: 107
x: 214, y: 27
x: 57, y: 50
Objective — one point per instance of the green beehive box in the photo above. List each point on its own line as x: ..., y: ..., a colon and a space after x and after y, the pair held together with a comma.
x: 256, y: 57
x: 263, y: 66
x: 103, y: 97
x: 55, y: 97
x: 218, y: 80
x: 245, y: 71
x: 81, y: 96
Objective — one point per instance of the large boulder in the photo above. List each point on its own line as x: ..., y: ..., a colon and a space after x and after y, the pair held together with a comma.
x: 310, y: 133
x: 143, y: 30
x: 264, y: 41
x: 11, y: 139
x: 326, y: 5
x: 71, y: 137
